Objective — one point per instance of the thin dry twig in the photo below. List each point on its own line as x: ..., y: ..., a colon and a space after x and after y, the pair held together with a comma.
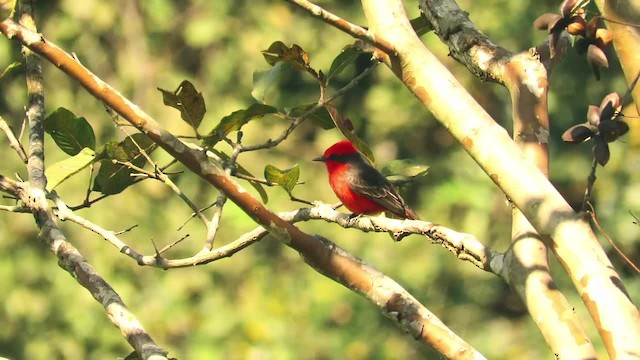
x: 13, y: 142
x: 594, y: 219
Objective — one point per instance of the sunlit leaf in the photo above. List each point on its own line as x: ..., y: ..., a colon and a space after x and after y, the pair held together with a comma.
x: 287, y: 178
x: 69, y: 132
x: 188, y: 101
x: 403, y: 170
x: 62, y: 170
x: 237, y: 119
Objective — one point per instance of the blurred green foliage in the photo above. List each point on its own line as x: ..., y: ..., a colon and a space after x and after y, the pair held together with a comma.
x: 265, y: 302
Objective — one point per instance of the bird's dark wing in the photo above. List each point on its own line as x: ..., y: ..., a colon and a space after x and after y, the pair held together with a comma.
x: 365, y: 180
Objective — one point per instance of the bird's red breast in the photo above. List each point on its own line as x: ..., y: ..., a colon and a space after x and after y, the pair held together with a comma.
x: 356, y: 203
x: 359, y: 186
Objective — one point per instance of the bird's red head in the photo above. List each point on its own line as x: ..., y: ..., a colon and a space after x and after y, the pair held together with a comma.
x: 344, y: 147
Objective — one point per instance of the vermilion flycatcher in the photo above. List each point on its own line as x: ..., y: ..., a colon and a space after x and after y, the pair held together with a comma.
x: 360, y: 187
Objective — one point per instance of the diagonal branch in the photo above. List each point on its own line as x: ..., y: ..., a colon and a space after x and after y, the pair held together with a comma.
x: 572, y: 239
x: 336, y: 21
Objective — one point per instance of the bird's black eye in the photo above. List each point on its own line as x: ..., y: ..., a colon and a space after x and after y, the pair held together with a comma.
x: 343, y: 158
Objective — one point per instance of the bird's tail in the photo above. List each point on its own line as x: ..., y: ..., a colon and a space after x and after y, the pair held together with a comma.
x: 409, y: 214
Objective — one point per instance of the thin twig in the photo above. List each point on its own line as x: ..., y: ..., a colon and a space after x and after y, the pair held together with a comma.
x: 13, y: 142
x: 15, y: 208
x: 591, y: 180
x: 594, y: 218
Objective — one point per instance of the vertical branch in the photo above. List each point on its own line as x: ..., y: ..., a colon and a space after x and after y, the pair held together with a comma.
x: 35, y: 108
x: 33, y: 195
x: 526, y: 264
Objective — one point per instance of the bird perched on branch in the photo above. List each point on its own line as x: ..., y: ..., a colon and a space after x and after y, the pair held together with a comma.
x: 360, y: 187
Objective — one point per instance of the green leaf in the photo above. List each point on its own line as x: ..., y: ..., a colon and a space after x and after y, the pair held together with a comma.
x: 346, y: 58
x: 243, y: 171
x: 62, y: 170
x: 236, y: 120
x: 70, y: 133
x: 287, y: 178
x: 188, y: 101
x: 346, y: 128
x: 278, y: 52
x: 10, y: 68
x: 114, y: 178
x: 265, y: 83
x: 320, y: 117
x: 403, y: 170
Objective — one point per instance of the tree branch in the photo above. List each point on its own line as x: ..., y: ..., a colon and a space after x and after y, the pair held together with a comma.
x: 572, y: 239
x: 354, y: 30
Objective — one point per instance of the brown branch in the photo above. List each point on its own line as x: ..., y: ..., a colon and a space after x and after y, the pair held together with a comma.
x: 339, y: 23
x: 471, y: 47
x: 339, y: 266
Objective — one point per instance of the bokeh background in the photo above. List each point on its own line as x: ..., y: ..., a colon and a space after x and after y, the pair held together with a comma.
x: 265, y: 303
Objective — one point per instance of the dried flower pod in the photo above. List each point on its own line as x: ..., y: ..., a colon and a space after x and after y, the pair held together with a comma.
x: 577, y: 25
x: 609, y: 106
x: 567, y: 6
x: 601, y: 150
x: 596, y: 59
x: 578, y: 133
x: 593, y: 115
x: 546, y: 21
x: 611, y: 130
x: 604, y: 36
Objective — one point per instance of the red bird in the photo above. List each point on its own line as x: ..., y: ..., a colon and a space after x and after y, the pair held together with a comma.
x: 360, y: 187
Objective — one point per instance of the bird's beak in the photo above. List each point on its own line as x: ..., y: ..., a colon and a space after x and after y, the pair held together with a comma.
x: 320, y: 159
